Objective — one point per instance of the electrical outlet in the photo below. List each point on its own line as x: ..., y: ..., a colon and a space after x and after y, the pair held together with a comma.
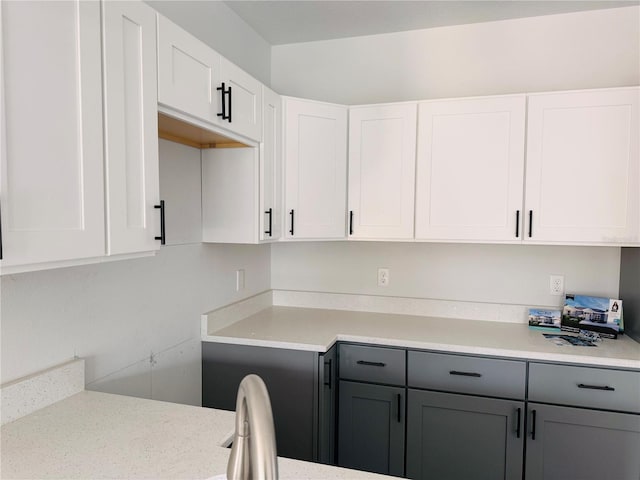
x: 239, y: 280
x: 556, y: 284
x: 383, y: 277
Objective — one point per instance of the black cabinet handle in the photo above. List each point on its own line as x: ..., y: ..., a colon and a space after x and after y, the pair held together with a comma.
x: 371, y: 364
x: 291, y: 231
x: 162, y: 236
x: 533, y: 424
x: 519, y: 412
x: 597, y: 387
x: 399, y: 407
x: 517, y: 223
x: 465, y: 374
x: 225, y: 94
x: 530, y: 223
x: 270, y: 213
x: 350, y: 222
x: 327, y: 366
x: 222, y: 101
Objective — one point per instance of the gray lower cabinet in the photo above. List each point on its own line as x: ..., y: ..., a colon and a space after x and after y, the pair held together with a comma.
x: 458, y: 437
x: 327, y: 406
x: 371, y: 427
x: 291, y: 377
x: 573, y: 443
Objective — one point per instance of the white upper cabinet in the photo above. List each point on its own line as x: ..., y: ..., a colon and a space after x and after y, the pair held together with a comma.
x: 131, y: 127
x: 243, y: 101
x: 188, y: 73
x: 382, y: 160
x: 470, y: 169
x: 271, y: 167
x: 52, y: 194
x: 196, y: 80
x: 583, y: 167
x: 315, y: 149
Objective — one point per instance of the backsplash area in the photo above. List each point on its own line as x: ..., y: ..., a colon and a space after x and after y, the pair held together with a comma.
x: 501, y: 274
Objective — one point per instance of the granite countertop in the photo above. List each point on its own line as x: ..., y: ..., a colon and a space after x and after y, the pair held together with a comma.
x: 100, y: 435
x: 316, y: 329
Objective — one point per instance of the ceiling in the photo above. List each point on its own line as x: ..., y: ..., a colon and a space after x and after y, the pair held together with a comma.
x: 280, y: 22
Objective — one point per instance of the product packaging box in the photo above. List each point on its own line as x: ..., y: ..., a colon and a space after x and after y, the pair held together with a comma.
x: 597, y: 314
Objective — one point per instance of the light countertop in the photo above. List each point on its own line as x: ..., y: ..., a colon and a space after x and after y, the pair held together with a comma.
x: 316, y: 329
x: 100, y: 435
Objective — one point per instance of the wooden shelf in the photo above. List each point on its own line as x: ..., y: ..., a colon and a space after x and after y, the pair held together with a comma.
x: 178, y: 131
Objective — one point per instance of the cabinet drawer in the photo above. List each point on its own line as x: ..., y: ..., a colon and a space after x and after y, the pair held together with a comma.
x: 372, y: 364
x: 585, y: 387
x: 456, y: 373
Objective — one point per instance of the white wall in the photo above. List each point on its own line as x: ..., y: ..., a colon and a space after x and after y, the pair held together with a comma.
x: 115, y: 315
x: 221, y: 28
x: 598, y: 48
x: 506, y: 274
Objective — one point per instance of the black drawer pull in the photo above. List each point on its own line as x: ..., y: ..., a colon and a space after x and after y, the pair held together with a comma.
x: 518, y: 425
x: 351, y: 222
x: 597, y: 387
x: 399, y: 407
x: 465, y: 374
x: 517, y: 223
x: 530, y: 223
x: 371, y: 364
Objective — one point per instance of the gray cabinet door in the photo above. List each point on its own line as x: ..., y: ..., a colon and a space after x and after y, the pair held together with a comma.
x: 327, y: 406
x: 291, y: 377
x: 371, y: 427
x: 459, y: 437
x: 567, y: 443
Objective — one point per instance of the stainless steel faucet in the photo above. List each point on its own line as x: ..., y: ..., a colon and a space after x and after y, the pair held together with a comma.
x: 253, y: 454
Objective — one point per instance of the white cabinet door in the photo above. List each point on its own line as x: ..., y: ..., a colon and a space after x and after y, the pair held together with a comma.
x: 382, y: 163
x: 470, y: 169
x: 315, y: 169
x: 188, y: 73
x: 583, y: 167
x: 52, y: 193
x: 271, y: 167
x: 131, y: 127
x: 244, y: 101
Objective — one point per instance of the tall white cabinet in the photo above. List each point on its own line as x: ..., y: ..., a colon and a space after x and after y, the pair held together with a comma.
x: 131, y: 127
x: 315, y: 153
x: 470, y: 169
x: 52, y: 190
x: 382, y: 159
x: 271, y: 167
x: 583, y: 167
